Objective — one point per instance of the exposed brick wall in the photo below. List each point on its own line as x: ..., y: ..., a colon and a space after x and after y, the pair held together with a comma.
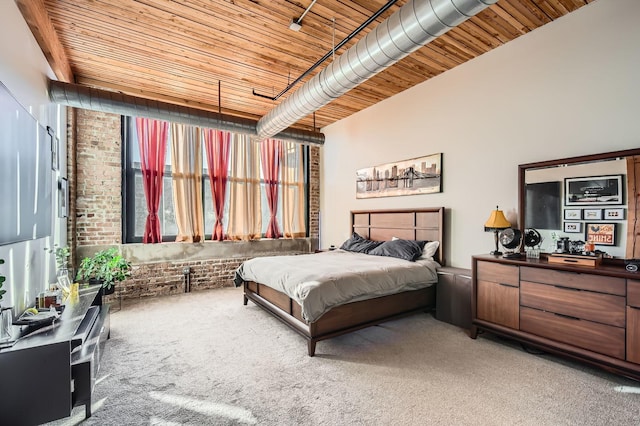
x: 72, y: 181
x: 166, y: 278
x: 98, y: 178
x: 95, y: 219
x: 314, y: 191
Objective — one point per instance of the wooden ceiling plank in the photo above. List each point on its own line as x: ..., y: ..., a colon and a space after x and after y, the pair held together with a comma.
x: 35, y: 14
x: 177, y: 50
x: 526, y: 12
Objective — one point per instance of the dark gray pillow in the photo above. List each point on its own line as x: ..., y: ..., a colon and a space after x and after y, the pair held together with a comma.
x: 402, y: 249
x: 359, y: 244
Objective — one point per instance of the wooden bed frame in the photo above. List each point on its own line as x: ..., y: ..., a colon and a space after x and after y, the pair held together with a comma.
x: 377, y: 225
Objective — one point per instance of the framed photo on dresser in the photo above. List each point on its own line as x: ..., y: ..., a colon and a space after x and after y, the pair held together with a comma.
x: 603, y: 234
x: 573, y: 227
x: 592, y: 214
x: 572, y: 214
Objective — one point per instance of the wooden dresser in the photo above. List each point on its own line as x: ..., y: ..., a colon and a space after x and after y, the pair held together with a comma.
x: 586, y: 313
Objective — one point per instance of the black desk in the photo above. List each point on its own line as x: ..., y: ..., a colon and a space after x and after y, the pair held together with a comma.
x: 51, y: 370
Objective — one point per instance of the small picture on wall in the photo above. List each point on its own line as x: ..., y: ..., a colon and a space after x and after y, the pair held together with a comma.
x: 63, y: 197
x: 592, y: 214
x: 572, y: 227
x: 614, y: 214
x: 603, y: 234
x: 573, y: 214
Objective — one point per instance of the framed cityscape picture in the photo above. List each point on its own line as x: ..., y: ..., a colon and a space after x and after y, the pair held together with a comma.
x: 593, y: 190
x: 421, y: 175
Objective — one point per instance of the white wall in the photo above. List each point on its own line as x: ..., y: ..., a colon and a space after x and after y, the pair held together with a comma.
x: 25, y: 72
x: 569, y: 88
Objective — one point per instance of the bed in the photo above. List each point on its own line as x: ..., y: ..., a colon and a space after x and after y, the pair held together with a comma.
x: 321, y: 323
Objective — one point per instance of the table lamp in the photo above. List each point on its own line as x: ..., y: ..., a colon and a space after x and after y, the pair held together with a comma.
x: 496, y: 222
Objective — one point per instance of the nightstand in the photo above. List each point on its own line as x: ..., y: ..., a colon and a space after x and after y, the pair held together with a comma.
x: 453, y: 296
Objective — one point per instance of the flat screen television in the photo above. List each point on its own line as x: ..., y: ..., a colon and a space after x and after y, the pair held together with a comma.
x: 543, y: 205
x: 26, y: 170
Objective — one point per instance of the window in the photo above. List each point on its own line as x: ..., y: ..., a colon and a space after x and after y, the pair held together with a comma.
x: 134, y: 201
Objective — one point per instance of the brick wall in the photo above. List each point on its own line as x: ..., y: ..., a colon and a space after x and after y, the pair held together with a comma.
x: 98, y: 178
x: 95, y: 219
x: 314, y: 192
x: 166, y: 278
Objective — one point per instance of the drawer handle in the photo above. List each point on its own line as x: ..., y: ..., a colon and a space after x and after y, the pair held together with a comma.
x: 508, y: 285
x: 566, y: 316
x: 568, y: 288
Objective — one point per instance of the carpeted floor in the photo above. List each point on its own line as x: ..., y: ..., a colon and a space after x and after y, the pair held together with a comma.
x: 206, y: 359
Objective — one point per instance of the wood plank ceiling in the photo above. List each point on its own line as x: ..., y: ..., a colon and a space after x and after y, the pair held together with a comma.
x: 183, y: 51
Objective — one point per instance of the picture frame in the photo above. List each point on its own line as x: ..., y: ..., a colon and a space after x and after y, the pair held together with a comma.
x: 63, y: 197
x: 422, y: 175
x: 614, y: 214
x: 55, y: 150
x: 573, y: 227
x: 592, y: 214
x: 603, y: 234
x: 572, y: 214
x: 593, y: 190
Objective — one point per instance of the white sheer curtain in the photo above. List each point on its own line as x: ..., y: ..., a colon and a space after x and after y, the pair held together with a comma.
x: 293, y: 224
x: 245, y: 214
x: 186, y: 170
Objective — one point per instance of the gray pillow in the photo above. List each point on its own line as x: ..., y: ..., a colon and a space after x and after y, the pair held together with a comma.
x: 402, y: 249
x: 359, y: 244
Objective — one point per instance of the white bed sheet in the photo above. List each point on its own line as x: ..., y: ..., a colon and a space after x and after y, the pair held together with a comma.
x: 324, y: 280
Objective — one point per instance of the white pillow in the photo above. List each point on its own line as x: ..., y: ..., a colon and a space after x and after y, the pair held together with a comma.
x: 428, y: 250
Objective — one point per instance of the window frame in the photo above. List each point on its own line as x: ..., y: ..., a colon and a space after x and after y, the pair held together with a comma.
x: 129, y: 174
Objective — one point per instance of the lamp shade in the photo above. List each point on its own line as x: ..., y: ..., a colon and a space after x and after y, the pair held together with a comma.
x: 497, y: 220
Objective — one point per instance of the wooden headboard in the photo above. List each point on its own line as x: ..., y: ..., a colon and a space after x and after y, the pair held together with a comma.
x: 409, y: 224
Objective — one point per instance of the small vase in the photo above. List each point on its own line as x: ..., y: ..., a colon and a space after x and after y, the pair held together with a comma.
x: 6, y: 321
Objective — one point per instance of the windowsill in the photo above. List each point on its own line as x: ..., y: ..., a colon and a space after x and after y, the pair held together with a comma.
x: 176, y: 252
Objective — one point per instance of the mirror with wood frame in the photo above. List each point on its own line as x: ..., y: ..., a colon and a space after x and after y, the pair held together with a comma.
x: 579, y: 198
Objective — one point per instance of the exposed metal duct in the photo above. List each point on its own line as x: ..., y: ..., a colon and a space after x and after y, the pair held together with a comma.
x: 84, y: 97
x: 415, y: 24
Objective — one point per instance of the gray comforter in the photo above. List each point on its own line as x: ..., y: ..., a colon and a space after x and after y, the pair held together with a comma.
x: 321, y: 281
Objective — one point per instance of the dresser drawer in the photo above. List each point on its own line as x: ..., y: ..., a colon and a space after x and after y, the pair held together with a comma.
x: 633, y: 334
x: 578, y: 280
x: 633, y: 293
x: 498, y: 303
x: 497, y: 273
x: 604, y: 339
x: 598, y: 307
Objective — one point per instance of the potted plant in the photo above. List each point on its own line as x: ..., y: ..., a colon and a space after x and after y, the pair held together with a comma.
x: 62, y: 259
x: 107, y: 267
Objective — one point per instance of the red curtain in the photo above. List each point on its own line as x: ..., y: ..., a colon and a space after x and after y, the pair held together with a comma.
x: 152, y: 140
x: 218, y: 146
x: 271, y: 155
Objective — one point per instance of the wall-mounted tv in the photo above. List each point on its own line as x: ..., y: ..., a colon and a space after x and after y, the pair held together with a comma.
x: 25, y: 171
x: 543, y: 205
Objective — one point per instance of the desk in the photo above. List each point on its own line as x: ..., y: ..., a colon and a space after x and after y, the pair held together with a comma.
x: 49, y: 371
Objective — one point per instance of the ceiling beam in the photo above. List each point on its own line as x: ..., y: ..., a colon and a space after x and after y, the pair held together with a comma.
x: 35, y: 14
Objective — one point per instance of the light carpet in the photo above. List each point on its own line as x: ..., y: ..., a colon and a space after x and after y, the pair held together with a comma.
x: 206, y: 359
